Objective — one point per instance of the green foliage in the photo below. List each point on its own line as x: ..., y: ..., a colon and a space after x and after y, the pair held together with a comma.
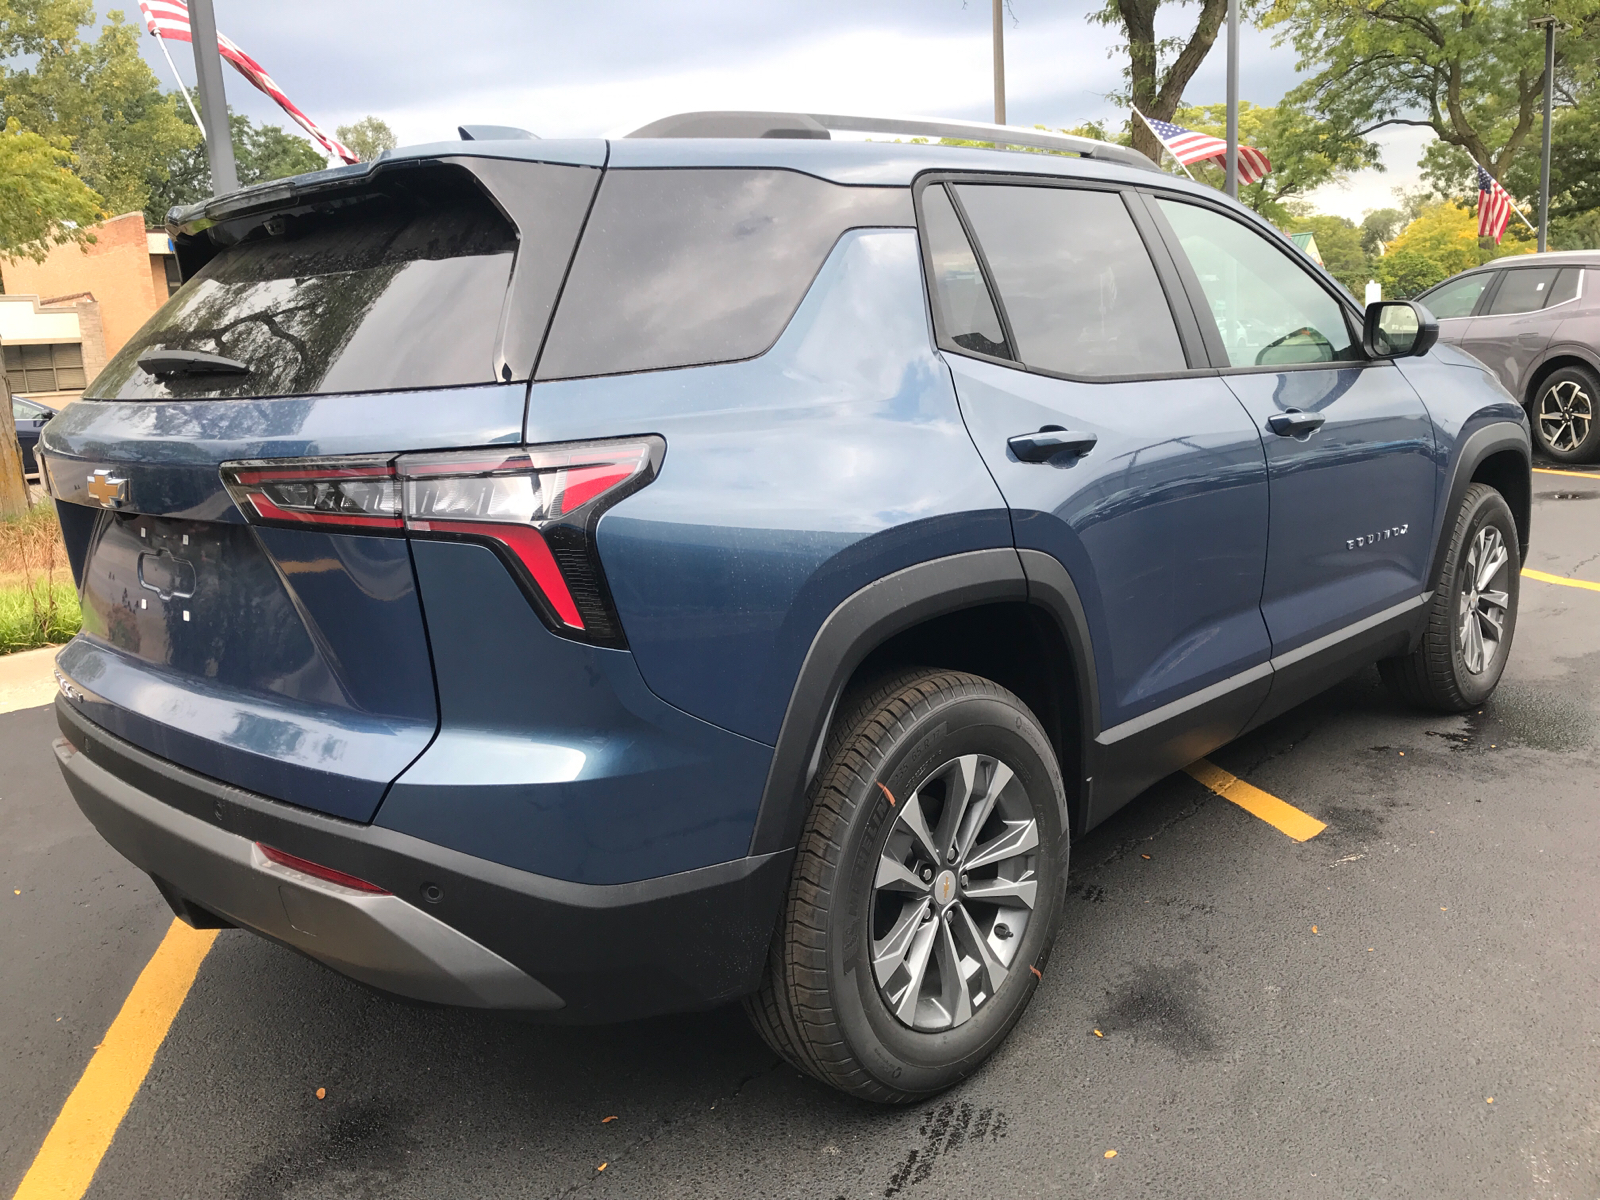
x: 368, y: 137
x: 1339, y: 243
x: 1574, y: 163
x: 260, y: 152
x: 38, y: 613
x: 1471, y: 70
x: 1580, y: 232
x: 1305, y: 153
x: 99, y: 95
x: 1379, y: 228
x: 42, y: 203
x: 1442, y: 241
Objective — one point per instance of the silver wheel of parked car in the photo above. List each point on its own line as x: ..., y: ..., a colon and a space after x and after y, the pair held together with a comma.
x: 1565, y: 413
x: 955, y: 887
x: 1484, y: 600
x: 1566, y: 423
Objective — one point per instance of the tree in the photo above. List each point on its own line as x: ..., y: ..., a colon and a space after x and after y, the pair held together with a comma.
x: 42, y: 203
x: 1442, y: 241
x: 260, y: 153
x: 1379, y: 227
x: 99, y: 95
x: 1305, y: 153
x: 1470, y: 70
x: 368, y: 137
x: 1159, y: 69
x: 1339, y: 243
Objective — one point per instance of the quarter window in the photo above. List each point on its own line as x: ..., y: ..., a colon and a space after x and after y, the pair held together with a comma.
x: 1078, y: 287
x: 1565, y: 287
x: 1458, y: 297
x: 1522, y: 291
x: 1268, y: 309
x: 966, y: 309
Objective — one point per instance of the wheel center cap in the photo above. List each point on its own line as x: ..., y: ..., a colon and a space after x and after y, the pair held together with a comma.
x: 944, y: 888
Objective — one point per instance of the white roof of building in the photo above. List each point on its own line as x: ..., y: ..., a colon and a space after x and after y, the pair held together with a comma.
x: 159, y: 243
x: 22, y: 320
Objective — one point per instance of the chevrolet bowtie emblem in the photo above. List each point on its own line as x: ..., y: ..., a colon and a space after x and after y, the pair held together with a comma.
x: 108, y: 490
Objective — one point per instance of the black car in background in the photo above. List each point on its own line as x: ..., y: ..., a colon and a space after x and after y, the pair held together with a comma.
x: 30, y: 417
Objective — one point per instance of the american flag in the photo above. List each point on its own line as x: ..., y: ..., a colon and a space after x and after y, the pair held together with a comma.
x: 1494, y: 207
x: 170, y: 19
x: 1187, y: 147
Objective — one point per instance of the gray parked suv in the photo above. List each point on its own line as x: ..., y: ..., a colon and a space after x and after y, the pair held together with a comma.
x: 1534, y: 321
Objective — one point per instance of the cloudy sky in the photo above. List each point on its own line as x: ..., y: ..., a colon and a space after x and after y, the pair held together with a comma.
x: 611, y: 65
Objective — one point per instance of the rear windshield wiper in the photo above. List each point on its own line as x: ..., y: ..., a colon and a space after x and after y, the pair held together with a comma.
x: 165, y: 363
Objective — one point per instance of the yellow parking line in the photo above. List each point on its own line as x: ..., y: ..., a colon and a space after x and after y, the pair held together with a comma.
x: 1574, y: 474
x: 1281, y: 816
x: 88, y: 1121
x: 1542, y: 577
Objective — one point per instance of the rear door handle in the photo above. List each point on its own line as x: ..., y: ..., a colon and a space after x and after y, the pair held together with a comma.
x: 1049, y: 442
x: 1294, y: 423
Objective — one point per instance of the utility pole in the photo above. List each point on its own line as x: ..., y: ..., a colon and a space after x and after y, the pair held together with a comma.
x: 1232, y: 185
x: 1548, y: 24
x: 999, y: 63
x: 213, y: 102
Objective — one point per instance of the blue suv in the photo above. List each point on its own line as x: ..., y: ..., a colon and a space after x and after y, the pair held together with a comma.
x: 606, y: 578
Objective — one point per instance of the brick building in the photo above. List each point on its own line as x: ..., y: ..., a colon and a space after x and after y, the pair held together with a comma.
x: 62, y: 319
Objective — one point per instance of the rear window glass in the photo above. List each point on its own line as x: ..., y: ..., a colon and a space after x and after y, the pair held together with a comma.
x: 686, y: 266
x: 1523, y: 291
x: 398, y: 288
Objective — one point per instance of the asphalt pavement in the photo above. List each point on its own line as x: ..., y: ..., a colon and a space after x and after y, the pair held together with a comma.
x: 1403, y: 1006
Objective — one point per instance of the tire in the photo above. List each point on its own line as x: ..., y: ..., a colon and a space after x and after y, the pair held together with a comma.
x: 1454, y: 669
x: 925, y: 738
x: 1566, y: 415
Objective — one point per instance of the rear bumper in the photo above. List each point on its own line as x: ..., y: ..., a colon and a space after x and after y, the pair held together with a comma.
x: 455, y: 929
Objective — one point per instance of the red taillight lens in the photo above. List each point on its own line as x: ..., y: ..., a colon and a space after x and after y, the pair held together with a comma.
x: 535, y: 506
x: 304, y: 865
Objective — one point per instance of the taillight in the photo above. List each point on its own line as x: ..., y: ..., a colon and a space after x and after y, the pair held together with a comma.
x: 535, y: 506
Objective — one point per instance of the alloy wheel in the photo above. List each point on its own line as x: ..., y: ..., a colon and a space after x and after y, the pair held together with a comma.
x: 1484, y: 600
x: 955, y: 888
x: 1565, y: 412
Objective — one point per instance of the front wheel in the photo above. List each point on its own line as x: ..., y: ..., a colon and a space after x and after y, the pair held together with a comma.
x: 925, y: 889
x: 1472, y: 615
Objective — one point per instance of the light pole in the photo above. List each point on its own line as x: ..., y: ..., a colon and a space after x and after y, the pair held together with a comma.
x: 1549, y: 25
x: 1232, y: 161
x: 999, y: 63
x: 213, y: 102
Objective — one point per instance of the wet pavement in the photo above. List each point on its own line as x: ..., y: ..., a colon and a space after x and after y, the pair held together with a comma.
x: 1405, y: 1005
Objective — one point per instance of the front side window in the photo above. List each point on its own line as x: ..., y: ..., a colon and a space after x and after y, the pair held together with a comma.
x: 1522, y: 291
x: 966, y: 309
x: 1269, y: 310
x: 1458, y: 297
x: 1076, y: 281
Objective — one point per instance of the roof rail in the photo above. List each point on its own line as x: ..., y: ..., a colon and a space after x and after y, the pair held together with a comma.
x: 818, y: 125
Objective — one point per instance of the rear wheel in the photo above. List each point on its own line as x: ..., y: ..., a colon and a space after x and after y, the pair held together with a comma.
x: 925, y: 889
x: 1566, y: 415
x: 1472, y: 615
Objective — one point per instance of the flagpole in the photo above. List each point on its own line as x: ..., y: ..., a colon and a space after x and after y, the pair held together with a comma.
x: 167, y: 54
x: 1511, y: 204
x: 1165, y: 149
x: 1231, y: 186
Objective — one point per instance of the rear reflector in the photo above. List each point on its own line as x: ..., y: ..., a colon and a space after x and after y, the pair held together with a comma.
x: 535, y: 506
x: 304, y: 865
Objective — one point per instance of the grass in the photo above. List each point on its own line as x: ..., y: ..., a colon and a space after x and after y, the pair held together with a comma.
x: 38, y: 602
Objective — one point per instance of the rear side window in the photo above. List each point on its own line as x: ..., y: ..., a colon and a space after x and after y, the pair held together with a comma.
x: 398, y: 286
x: 1458, y: 297
x: 686, y: 266
x: 1522, y: 291
x: 966, y: 310
x: 1079, y: 290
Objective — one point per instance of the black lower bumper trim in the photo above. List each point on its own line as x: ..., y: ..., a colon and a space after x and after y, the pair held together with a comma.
x: 612, y: 952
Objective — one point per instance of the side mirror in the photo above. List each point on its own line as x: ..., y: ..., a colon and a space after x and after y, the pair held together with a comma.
x: 1398, y: 329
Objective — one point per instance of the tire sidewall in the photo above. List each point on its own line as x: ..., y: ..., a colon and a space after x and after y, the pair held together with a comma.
x: 901, y: 1058
x: 1489, y: 508
x: 1588, y: 449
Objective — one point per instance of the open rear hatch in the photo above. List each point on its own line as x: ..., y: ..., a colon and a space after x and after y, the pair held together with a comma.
x: 363, y: 312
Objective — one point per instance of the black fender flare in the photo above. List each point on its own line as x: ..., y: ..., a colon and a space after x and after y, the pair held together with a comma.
x: 870, y: 616
x: 1489, y: 439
